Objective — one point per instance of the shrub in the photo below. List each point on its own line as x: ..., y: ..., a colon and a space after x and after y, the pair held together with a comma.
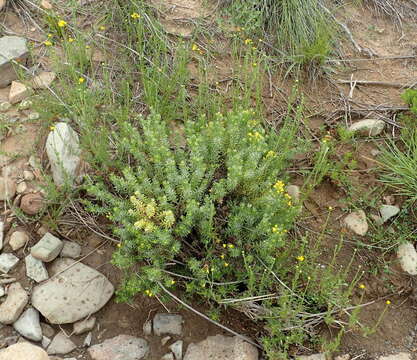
x: 211, y: 207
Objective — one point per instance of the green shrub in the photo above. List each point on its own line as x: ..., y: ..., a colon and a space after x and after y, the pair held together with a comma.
x: 410, y: 97
x: 212, y: 207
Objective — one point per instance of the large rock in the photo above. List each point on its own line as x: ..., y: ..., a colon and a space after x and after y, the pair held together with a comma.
x: 407, y: 256
x: 12, y: 48
x: 399, y: 356
x: 122, y: 347
x: 63, y: 149
x: 60, y: 345
x: 221, y: 347
x: 368, y: 127
x: 74, y: 292
x: 28, y: 325
x: 32, y: 204
x: 23, y: 351
x: 47, y: 248
x: 14, y: 304
x: 167, y: 324
x: 356, y: 221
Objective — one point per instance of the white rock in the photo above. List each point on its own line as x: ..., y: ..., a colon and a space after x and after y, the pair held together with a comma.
x: 123, y: 347
x: 368, y: 127
x: 43, y: 80
x: 35, y: 269
x: 11, y: 48
x: 168, y: 356
x: 2, y: 291
x: 221, y: 347
x: 18, y: 239
x: 23, y: 351
x: 399, y: 356
x: 71, y: 249
x: 356, y: 221
x: 2, y: 4
x: 294, y: 192
x: 147, y: 328
x: 18, y: 92
x: 407, y: 256
x: 74, y: 292
x: 165, y: 339
x: 14, y: 304
x: 61, y: 345
x: 48, y: 248
x: 45, y: 342
x: 81, y: 327
x: 176, y: 349
x: 388, y: 211
x: 1, y: 234
x: 167, y: 324
x: 311, y: 357
x: 21, y: 187
x: 28, y: 325
x: 28, y: 175
x: 87, y: 340
x: 63, y: 149
x: 7, y: 189
x: 7, y: 262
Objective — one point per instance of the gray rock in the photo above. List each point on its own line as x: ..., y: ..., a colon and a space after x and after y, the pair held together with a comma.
x: 167, y: 324
x: 122, y: 347
x: 61, y: 345
x: 81, y: 327
x: 23, y: 351
x: 7, y: 189
x: 221, y: 347
x: 74, y: 292
x: 71, y: 250
x: 147, y: 328
x: 311, y: 357
x: 47, y: 330
x: 356, y: 221
x: 35, y: 269
x: 47, y: 248
x: 168, y: 356
x: 7, y: 262
x: 176, y: 349
x: 407, y: 256
x: 18, y: 239
x: 12, y: 48
x: 388, y: 211
x: 399, y: 356
x: 63, y: 149
x: 14, y: 304
x: 368, y: 127
x: 87, y: 340
x: 28, y: 325
x: 294, y: 192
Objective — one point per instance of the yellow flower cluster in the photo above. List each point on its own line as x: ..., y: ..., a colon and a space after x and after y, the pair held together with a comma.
x: 255, y: 135
x: 248, y: 41
x: 62, y: 23
x: 149, y: 215
x: 279, y: 186
x: 300, y: 258
x: 270, y: 154
x: 277, y: 230
x: 196, y: 48
x: 149, y: 293
x: 135, y: 16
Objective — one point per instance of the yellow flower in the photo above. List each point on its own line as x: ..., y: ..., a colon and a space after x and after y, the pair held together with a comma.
x: 71, y: 39
x: 289, y: 203
x: 300, y: 258
x: 388, y: 302
x: 194, y: 47
x: 330, y: 208
x: 50, y: 35
x: 270, y: 154
x: 102, y: 28
x: 275, y: 229
x: 222, y: 256
x: 47, y: 43
x: 119, y: 245
x: 172, y: 282
x: 226, y: 264
x: 224, y: 245
x: 279, y: 186
x: 135, y: 15
x: 248, y: 41
x: 87, y: 46
x: 362, y: 286
x: 62, y: 23
x: 52, y: 128
x: 231, y: 246
x: 255, y: 64
x: 81, y: 80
